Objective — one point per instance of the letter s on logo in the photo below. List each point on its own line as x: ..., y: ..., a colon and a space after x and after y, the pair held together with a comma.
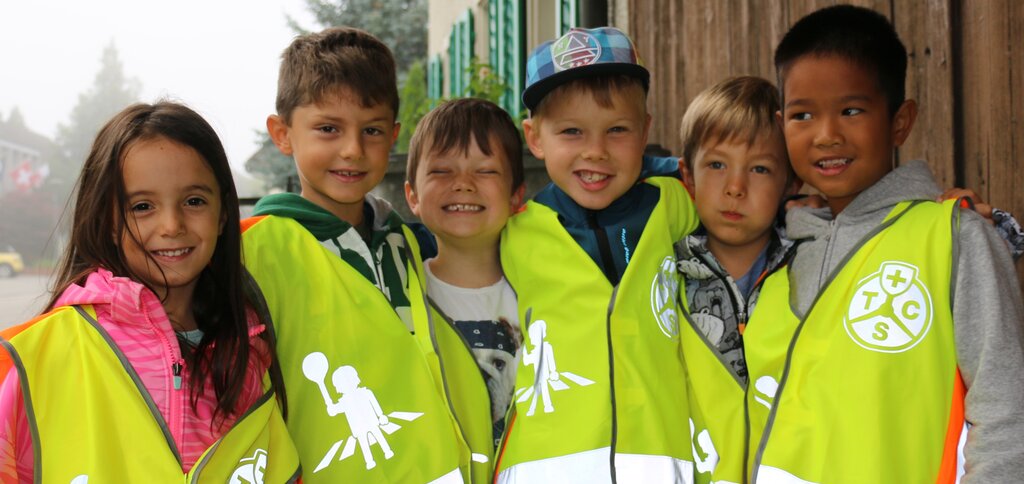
x: 881, y: 331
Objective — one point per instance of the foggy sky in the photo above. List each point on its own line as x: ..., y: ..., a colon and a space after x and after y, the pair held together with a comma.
x: 218, y: 56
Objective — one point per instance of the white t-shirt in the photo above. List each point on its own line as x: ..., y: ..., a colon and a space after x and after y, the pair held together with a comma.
x: 486, y: 317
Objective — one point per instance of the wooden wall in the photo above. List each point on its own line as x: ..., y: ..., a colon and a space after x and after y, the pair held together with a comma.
x: 966, y: 70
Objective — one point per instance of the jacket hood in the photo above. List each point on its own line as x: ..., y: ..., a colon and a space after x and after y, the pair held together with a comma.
x: 121, y: 294
x: 912, y: 181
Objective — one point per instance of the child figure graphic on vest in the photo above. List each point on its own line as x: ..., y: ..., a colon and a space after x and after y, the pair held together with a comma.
x: 543, y: 360
x: 362, y: 411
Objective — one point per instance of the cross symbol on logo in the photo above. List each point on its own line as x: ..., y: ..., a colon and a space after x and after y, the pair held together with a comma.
x: 896, y: 279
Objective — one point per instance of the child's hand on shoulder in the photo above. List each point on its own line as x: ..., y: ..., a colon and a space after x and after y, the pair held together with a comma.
x: 977, y: 204
x: 806, y: 201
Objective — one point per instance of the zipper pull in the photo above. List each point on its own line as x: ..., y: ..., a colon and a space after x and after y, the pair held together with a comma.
x: 176, y: 368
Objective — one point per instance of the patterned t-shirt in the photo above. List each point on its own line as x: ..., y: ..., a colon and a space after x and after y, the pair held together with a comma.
x: 486, y: 318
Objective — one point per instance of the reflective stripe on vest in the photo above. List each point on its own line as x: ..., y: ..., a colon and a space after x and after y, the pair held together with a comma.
x: 364, y: 405
x: 460, y: 380
x: 867, y: 384
x: 716, y: 396
x: 93, y: 421
x: 601, y: 373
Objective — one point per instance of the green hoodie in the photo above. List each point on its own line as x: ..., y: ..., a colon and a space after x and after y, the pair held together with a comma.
x: 381, y: 259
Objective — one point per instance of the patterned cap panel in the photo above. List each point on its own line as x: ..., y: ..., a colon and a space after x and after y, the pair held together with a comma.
x: 558, y: 61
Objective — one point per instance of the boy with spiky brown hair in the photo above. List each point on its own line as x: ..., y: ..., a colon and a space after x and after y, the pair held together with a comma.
x: 332, y: 264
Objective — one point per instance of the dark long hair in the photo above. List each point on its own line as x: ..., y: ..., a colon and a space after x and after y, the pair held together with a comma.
x: 100, y: 220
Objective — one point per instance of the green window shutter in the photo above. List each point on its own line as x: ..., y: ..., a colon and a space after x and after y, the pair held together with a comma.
x: 507, y: 38
x: 453, y: 61
x: 435, y: 78
x: 568, y: 15
x: 513, y: 59
x: 467, y: 41
x: 493, y: 30
x: 460, y: 53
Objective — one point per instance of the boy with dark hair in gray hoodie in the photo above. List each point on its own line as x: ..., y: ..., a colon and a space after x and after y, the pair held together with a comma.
x: 893, y: 340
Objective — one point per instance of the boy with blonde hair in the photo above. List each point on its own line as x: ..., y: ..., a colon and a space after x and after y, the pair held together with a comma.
x: 591, y: 260
x: 739, y: 173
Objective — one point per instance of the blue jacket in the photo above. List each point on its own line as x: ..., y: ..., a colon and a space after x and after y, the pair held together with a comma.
x: 610, y: 235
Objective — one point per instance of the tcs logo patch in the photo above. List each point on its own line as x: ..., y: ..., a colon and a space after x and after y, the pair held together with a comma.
x: 891, y: 310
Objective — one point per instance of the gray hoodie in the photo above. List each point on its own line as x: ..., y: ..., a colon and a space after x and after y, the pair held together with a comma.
x: 987, y: 311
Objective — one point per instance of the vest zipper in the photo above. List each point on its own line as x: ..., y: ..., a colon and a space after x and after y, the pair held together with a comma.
x: 176, y: 369
x: 611, y: 386
x: 176, y: 399
x: 833, y: 231
x: 604, y: 249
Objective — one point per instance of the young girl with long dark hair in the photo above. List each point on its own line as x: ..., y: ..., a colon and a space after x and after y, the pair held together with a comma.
x: 149, y: 364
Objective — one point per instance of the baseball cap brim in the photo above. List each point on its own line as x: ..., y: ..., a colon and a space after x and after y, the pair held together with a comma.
x: 533, y: 94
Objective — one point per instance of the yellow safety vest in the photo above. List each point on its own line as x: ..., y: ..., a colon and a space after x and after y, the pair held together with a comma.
x: 459, y: 379
x: 716, y: 396
x: 601, y: 389
x: 93, y: 421
x: 866, y: 385
x: 363, y: 404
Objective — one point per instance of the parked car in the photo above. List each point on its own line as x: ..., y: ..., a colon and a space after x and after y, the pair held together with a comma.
x: 10, y: 262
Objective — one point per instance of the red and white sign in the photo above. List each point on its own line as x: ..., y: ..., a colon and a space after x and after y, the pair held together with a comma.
x: 26, y: 178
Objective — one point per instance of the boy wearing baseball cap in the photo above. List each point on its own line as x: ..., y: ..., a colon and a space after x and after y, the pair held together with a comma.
x: 601, y: 391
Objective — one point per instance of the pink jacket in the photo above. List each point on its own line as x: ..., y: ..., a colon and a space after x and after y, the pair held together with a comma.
x: 136, y: 321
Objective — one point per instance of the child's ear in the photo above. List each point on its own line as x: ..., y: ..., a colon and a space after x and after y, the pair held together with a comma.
x: 647, y: 128
x: 518, y: 196
x: 412, y: 199
x: 278, y: 131
x: 532, y: 135
x: 903, y: 122
x: 394, y: 135
x: 687, y: 175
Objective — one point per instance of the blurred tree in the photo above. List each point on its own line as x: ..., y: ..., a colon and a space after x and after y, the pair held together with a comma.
x: 414, y: 105
x: 401, y: 24
x: 270, y: 165
x: 111, y: 91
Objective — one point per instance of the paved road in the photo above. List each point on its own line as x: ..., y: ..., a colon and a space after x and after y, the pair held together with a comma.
x: 21, y: 297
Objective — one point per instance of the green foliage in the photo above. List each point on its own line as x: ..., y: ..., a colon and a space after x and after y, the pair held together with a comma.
x: 270, y: 165
x: 414, y: 105
x: 401, y: 24
x: 485, y: 83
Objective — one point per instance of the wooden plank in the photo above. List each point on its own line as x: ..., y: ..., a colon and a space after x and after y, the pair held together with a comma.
x: 926, y: 31
x: 991, y: 115
x: 768, y: 22
x: 1015, y: 91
